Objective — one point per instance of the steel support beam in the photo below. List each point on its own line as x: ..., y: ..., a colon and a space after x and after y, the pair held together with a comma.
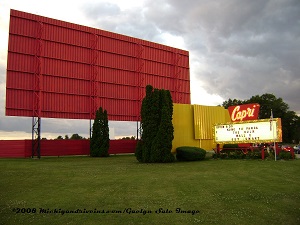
x: 139, y: 85
x: 37, y: 93
x: 93, y: 80
x: 94, y: 75
x: 36, y: 137
x: 176, y: 84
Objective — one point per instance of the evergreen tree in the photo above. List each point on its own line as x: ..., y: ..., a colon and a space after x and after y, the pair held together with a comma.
x: 162, y: 143
x: 99, y: 143
x: 95, y: 139
x: 158, y: 132
x: 146, y: 123
x: 139, y: 152
x: 104, y: 134
x: 153, y: 125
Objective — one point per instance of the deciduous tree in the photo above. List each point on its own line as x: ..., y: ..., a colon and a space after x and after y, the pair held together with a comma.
x: 289, y: 119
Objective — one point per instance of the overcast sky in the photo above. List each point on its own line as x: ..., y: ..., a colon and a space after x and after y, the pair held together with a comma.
x: 238, y: 48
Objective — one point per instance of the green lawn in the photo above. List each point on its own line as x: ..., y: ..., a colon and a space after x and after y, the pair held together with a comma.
x: 207, y: 192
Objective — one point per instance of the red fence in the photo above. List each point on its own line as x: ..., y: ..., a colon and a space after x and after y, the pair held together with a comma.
x: 15, y: 148
x: 22, y: 148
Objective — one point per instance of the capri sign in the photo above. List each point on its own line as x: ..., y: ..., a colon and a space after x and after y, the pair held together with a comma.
x: 255, y: 131
x: 244, y: 112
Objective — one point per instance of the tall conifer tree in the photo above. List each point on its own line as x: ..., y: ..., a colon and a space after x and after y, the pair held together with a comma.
x: 156, y: 122
x: 99, y: 143
x: 104, y: 134
x: 95, y: 139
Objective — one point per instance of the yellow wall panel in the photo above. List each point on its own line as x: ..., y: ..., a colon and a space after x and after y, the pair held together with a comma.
x: 183, y: 122
x: 193, y: 125
x: 205, y: 117
x: 207, y: 144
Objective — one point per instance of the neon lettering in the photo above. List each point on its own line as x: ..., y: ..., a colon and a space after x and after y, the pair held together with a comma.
x: 240, y: 115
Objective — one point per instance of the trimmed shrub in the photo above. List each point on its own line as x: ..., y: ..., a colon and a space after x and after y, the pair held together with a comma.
x: 187, y: 153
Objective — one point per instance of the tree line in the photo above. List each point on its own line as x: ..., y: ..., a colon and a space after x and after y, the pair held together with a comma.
x: 73, y: 137
x: 289, y: 119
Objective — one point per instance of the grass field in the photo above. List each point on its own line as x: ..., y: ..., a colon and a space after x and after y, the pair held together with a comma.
x: 123, y: 191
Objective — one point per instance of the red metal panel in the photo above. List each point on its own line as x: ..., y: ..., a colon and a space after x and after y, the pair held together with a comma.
x: 65, y: 147
x: 14, y: 148
x: 82, y: 68
x: 21, y: 102
x: 122, y: 146
x: 22, y: 148
x: 20, y: 62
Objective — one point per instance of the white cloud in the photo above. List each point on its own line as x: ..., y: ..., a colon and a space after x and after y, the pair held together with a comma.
x: 16, y: 135
x: 172, y: 40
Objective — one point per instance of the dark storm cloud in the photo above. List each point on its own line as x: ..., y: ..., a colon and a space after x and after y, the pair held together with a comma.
x: 247, y: 47
x: 13, y: 123
x: 131, y: 22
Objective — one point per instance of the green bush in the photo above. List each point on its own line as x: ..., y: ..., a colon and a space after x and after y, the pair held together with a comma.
x: 285, y: 155
x: 223, y: 155
x: 238, y: 154
x: 256, y: 155
x: 187, y: 153
x: 229, y: 150
x: 267, y: 154
x: 216, y: 155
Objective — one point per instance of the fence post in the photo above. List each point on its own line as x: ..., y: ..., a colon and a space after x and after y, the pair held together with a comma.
x: 262, y: 153
x: 293, y: 153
